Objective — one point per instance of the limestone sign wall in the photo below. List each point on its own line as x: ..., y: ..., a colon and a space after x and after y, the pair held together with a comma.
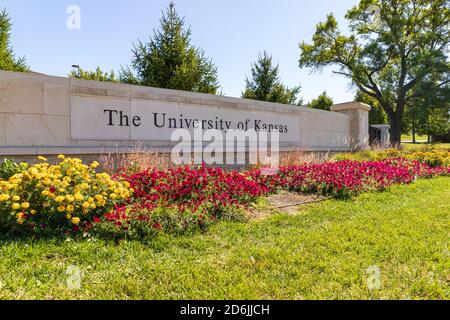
x: 47, y: 115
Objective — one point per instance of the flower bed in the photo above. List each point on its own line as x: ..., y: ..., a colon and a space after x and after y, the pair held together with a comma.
x: 433, y: 156
x: 66, y: 197
x: 199, y: 196
x: 73, y: 197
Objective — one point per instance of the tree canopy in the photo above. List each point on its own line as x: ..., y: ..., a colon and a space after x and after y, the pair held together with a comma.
x: 394, y: 47
x: 376, y: 113
x: 265, y: 83
x: 8, y: 61
x: 97, y: 75
x: 169, y: 60
x: 322, y: 102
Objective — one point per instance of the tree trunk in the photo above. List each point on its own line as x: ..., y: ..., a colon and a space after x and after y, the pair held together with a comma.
x: 396, y: 131
x: 414, y: 134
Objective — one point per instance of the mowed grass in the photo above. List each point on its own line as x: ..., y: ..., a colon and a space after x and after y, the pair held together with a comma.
x: 322, y: 252
x: 409, y: 137
x: 420, y: 146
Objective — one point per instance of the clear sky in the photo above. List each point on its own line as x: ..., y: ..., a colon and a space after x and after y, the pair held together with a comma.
x: 232, y: 32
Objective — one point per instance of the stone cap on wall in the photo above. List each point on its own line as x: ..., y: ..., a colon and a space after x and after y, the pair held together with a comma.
x: 381, y: 126
x: 350, y: 106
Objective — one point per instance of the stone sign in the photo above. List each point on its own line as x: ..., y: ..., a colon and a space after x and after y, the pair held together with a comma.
x: 47, y: 115
x: 94, y: 118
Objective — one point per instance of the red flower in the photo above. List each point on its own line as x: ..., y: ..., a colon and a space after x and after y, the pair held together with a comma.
x: 157, y: 226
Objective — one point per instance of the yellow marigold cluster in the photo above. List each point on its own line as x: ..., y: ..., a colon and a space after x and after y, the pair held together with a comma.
x: 434, y: 157
x: 70, y: 192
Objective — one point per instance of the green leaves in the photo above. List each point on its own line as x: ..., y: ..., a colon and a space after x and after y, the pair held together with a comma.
x: 265, y: 83
x: 322, y: 102
x: 97, y: 75
x: 169, y: 60
x: 394, y: 46
x: 8, y: 61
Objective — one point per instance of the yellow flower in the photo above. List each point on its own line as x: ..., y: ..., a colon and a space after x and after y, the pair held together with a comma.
x: 70, y: 198
x: 86, y: 205
x: 42, y: 158
x: 75, y: 220
x: 59, y: 199
x: 25, y: 205
x: 4, y: 197
x: 79, y: 197
x: 16, y: 198
x: 113, y: 196
x: 70, y: 208
x: 94, y: 164
x: 61, y: 208
x: 15, y: 206
x: 19, y: 215
x: 33, y: 212
x: 61, y: 157
x: 45, y: 193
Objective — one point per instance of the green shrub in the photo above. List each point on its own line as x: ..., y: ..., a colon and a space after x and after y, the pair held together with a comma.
x: 8, y: 168
x: 429, y: 154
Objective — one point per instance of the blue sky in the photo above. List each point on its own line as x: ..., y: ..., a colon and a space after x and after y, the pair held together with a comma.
x: 232, y: 32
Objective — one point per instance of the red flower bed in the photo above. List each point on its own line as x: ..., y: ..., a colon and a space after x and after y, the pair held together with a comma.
x: 346, y: 178
x: 189, y: 188
x: 204, y: 193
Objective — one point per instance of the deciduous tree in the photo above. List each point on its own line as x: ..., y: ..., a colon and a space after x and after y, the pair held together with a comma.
x: 394, y: 46
x: 97, y: 75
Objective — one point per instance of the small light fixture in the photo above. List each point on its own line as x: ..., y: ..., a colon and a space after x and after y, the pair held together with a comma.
x: 76, y: 66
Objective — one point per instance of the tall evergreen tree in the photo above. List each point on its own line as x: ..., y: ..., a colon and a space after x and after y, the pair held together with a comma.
x: 322, y: 102
x: 265, y: 83
x: 169, y: 60
x: 7, y: 59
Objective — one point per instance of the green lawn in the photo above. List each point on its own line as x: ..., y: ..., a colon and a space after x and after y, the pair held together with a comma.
x: 409, y: 137
x: 321, y: 252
